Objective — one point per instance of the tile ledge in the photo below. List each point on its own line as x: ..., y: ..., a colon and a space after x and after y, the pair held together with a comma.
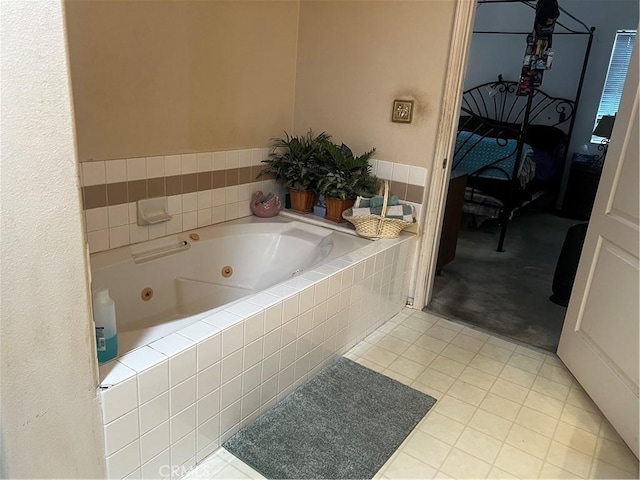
x: 339, y: 227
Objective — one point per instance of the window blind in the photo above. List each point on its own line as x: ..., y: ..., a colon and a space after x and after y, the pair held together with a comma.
x: 616, y: 74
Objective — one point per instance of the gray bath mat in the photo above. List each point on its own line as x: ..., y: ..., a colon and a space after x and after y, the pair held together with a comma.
x: 344, y: 423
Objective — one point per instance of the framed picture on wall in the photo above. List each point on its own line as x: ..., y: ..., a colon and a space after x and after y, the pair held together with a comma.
x: 402, y: 111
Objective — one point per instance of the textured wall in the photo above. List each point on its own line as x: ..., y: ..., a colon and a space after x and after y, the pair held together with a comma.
x: 50, y: 423
x: 160, y: 78
x: 356, y: 57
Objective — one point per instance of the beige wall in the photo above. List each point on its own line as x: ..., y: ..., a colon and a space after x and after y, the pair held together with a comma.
x: 156, y: 78
x: 355, y: 57
x: 49, y: 417
x: 163, y: 77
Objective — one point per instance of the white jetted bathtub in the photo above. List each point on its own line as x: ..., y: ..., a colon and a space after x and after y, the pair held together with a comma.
x: 215, y: 328
x: 163, y: 285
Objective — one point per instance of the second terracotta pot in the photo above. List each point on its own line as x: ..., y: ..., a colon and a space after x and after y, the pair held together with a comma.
x: 335, y: 207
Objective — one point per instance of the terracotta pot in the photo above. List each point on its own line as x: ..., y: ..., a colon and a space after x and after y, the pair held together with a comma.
x: 335, y: 207
x: 302, y: 201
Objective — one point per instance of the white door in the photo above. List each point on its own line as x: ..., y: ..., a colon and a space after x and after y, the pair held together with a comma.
x: 599, y: 341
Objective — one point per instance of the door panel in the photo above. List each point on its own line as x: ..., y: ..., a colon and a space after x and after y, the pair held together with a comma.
x: 625, y: 203
x: 611, y: 262
x: 599, y: 341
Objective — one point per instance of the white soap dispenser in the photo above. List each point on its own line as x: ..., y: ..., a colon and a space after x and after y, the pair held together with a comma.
x: 104, y: 316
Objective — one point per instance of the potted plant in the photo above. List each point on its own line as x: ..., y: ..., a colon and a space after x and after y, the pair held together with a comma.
x: 295, y: 161
x: 344, y: 177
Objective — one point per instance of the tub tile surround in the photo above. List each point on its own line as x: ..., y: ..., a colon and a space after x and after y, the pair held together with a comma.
x: 169, y: 405
x: 202, y: 189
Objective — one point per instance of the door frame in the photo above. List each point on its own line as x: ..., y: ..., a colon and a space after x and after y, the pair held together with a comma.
x: 434, y: 203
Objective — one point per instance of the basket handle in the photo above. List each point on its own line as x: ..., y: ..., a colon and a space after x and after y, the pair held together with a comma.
x: 385, y: 201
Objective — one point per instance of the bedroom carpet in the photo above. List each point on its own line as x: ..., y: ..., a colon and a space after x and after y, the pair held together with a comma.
x: 345, y: 423
x: 506, y: 293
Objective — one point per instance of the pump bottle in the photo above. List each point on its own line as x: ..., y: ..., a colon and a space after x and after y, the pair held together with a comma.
x: 104, y: 316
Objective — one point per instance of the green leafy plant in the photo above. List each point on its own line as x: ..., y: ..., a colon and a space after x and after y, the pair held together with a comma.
x: 337, y: 185
x: 345, y: 175
x: 297, y: 161
x: 366, y: 185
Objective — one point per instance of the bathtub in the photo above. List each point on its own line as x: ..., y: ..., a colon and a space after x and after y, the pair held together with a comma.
x: 164, y: 285
x: 215, y: 329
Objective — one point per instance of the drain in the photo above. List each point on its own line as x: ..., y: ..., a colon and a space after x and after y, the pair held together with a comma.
x: 195, y: 237
x: 226, y: 272
x: 146, y: 294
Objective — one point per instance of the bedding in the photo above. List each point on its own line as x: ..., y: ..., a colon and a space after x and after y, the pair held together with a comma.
x: 546, y: 166
x: 547, y: 142
x: 477, y: 155
x: 481, y: 206
x: 549, y: 145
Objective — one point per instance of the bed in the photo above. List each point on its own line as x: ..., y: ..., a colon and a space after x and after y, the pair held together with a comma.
x: 513, y: 152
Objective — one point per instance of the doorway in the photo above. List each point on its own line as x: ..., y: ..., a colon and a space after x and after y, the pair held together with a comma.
x: 508, y: 292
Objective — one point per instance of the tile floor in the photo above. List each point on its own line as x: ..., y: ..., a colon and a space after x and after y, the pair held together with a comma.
x: 503, y: 410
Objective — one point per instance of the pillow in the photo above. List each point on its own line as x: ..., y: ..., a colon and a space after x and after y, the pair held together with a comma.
x: 548, y: 139
x: 546, y: 165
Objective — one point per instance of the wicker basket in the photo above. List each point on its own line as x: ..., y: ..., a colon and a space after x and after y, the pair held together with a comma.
x: 377, y: 226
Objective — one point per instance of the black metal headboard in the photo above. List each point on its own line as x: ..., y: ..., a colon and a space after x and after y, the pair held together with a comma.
x: 498, y: 101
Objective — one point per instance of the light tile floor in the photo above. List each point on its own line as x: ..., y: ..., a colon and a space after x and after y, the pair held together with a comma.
x: 503, y: 410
